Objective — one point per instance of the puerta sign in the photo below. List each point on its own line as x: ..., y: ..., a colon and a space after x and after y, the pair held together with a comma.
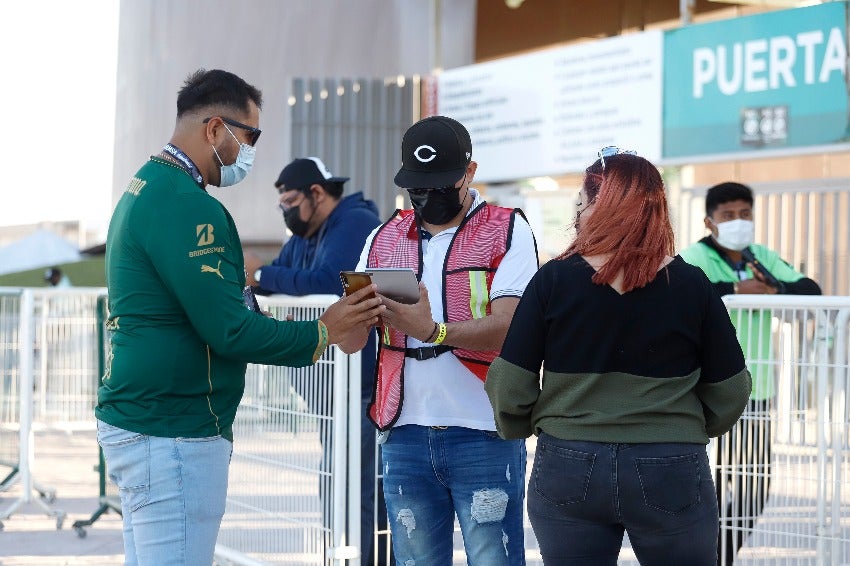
x: 765, y: 81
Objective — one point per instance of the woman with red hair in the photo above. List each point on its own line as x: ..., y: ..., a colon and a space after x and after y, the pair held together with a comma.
x: 640, y: 367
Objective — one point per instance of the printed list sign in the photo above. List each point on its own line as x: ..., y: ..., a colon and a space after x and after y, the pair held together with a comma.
x: 549, y: 112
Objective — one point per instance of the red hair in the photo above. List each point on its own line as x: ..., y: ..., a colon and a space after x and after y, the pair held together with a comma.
x: 630, y: 221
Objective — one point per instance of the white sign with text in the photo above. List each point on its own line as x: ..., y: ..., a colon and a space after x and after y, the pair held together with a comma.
x: 549, y: 112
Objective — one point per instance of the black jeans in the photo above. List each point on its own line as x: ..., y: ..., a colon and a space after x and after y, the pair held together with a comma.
x: 582, y: 497
x: 742, y: 477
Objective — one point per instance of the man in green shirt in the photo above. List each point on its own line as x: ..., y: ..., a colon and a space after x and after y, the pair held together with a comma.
x: 181, y: 334
x: 734, y: 264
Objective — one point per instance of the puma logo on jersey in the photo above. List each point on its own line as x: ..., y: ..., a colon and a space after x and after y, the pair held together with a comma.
x: 204, y: 232
x: 216, y: 269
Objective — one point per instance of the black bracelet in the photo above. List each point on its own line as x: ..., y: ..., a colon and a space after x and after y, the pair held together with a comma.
x: 433, y: 334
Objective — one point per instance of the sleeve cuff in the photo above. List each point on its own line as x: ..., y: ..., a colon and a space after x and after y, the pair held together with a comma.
x: 323, y: 341
x: 513, y: 391
x: 724, y: 401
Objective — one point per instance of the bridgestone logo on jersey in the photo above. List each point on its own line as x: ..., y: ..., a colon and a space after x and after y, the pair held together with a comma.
x: 207, y: 251
x: 204, y: 232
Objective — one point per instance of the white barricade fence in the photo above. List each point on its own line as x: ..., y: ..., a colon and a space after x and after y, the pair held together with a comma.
x: 50, y: 371
x: 10, y: 417
x: 782, y: 472
x: 288, y: 501
x: 66, y: 371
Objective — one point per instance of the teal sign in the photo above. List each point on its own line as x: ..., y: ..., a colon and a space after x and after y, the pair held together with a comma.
x: 767, y: 81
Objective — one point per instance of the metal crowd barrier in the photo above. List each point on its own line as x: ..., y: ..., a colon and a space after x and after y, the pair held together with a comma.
x: 48, y: 374
x: 289, y: 502
x: 782, y: 471
x: 107, y: 496
x: 9, y: 384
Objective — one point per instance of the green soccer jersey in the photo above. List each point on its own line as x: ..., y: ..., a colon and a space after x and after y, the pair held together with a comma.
x: 181, y: 334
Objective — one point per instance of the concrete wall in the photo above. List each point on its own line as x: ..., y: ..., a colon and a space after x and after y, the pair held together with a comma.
x: 268, y: 43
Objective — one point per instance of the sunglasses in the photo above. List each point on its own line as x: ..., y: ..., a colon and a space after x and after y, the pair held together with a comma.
x: 255, y: 132
x: 612, y: 150
x: 442, y: 191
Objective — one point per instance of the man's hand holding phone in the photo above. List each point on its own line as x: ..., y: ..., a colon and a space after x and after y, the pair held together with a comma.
x: 350, y: 319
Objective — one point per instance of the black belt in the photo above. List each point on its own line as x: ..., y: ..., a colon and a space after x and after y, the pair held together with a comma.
x: 427, y: 352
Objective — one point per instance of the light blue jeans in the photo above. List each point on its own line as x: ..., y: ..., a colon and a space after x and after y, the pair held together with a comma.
x: 173, y: 493
x: 431, y: 474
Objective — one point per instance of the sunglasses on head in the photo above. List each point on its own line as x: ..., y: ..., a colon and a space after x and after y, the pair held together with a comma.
x: 612, y: 150
x: 255, y: 132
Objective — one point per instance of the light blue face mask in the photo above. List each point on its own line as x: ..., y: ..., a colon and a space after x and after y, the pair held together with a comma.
x: 234, y: 173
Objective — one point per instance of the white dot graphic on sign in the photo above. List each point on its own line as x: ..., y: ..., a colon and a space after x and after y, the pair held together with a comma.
x: 425, y: 159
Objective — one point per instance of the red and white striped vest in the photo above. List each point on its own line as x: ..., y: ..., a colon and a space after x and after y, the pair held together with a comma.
x: 474, y: 254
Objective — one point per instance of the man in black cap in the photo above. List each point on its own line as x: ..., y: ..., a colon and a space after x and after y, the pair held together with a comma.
x: 328, y: 231
x: 440, y: 450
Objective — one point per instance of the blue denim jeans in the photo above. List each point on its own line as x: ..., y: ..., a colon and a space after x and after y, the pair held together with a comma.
x: 432, y: 474
x: 582, y: 496
x: 173, y: 493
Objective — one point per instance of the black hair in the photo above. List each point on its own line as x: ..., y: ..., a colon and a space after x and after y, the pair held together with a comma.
x: 216, y: 88
x: 334, y: 189
x: 726, y: 192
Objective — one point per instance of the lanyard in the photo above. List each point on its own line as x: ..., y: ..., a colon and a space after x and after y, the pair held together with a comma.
x: 183, y: 160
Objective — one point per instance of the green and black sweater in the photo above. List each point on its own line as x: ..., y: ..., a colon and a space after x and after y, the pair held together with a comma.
x: 180, y: 331
x: 657, y: 364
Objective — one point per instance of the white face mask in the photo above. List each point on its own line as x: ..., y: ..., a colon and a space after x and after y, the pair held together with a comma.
x: 239, y: 169
x: 735, y: 234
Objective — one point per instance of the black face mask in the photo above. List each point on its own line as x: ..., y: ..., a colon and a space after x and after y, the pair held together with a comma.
x: 292, y: 219
x: 436, y: 206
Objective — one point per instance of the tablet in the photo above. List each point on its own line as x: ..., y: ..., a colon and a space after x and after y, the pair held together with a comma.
x: 398, y: 284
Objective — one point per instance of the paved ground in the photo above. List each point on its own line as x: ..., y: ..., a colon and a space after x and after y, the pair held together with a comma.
x: 66, y: 463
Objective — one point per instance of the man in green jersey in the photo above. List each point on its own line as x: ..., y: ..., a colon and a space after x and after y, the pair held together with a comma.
x: 181, y: 334
x: 734, y: 264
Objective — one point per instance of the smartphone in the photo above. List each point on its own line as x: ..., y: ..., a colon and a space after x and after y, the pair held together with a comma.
x: 353, y: 281
x: 250, y: 299
x: 398, y: 284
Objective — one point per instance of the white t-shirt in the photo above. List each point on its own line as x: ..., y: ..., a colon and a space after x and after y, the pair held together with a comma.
x: 441, y: 391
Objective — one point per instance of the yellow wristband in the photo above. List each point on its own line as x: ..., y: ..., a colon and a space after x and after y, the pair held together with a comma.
x: 735, y: 287
x: 441, y: 335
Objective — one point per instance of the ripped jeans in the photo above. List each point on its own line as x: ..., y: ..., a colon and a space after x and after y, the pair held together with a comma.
x: 433, y: 473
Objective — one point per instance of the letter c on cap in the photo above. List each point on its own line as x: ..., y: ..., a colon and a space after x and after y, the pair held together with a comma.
x: 425, y: 159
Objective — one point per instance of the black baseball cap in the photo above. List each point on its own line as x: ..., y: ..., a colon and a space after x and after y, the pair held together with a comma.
x: 304, y: 172
x: 435, y: 152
